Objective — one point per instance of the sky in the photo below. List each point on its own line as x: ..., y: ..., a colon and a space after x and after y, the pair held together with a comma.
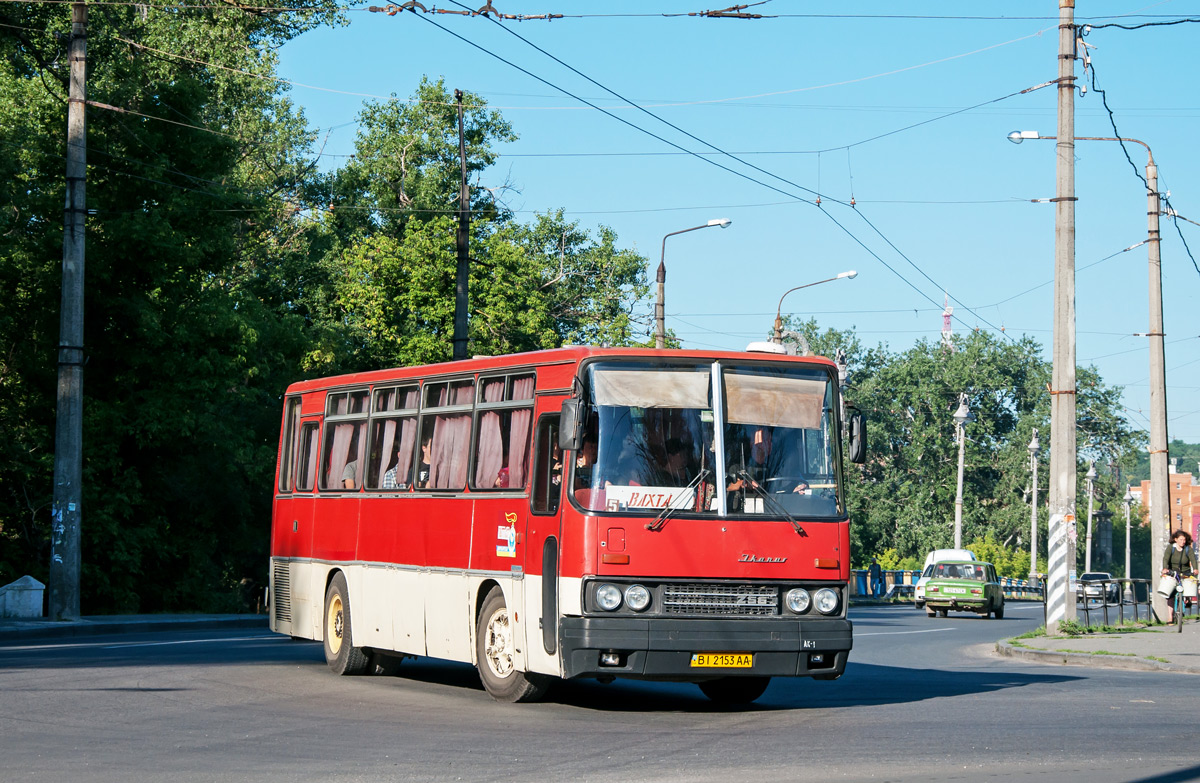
x: 905, y: 115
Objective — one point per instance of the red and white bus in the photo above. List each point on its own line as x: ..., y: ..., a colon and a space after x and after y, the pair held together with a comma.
x: 578, y: 512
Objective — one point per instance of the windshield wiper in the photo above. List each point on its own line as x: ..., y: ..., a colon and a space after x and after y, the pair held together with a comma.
x: 775, y: 504
x: 661, y: 520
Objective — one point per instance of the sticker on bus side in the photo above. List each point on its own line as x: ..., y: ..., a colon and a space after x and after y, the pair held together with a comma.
x: 506, y: 535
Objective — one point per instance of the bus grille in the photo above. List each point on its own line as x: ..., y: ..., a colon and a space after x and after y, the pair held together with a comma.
x: 731, y: 600
x: 281, y: 593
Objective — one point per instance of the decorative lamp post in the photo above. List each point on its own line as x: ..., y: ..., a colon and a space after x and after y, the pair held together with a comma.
x: 660, y: 334
x: 1091, y: 484
x: 1034, y: 449
x: 1128, y: 501
x: 961, y: 417
x: 778, y: 337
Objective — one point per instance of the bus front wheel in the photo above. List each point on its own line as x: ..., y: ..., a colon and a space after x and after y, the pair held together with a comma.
x: 340, y: 653
x: 734, y: 690
x: 495, y: 655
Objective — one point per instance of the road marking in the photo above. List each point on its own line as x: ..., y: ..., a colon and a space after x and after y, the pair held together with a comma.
x: 898, y: 633
x: 272, y: 637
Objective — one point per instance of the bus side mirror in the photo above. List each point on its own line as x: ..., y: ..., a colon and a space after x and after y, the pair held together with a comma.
x: 570, y: 433
x: 857, y: 426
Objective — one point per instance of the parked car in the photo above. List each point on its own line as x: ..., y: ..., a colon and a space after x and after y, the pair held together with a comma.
x: 1092, y: 586
x: 964, y: 586
x: 931, y: 558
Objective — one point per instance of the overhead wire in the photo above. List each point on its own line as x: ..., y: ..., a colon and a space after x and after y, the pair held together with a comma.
x: 716, y: 149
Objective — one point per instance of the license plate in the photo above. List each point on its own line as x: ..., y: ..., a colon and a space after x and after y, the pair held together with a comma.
x: 954, y: 590
x: 723, y: 660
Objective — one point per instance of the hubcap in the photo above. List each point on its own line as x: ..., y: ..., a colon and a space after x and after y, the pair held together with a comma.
x: 334, y: 625
x: 498, y: 647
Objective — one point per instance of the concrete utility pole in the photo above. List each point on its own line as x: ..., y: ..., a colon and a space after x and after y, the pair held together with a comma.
x: 1060, y: 598
x: 1160, y: 489
x: 1091, y: 490
x: 1034, y: 449
x: 463, y: 277
x: 961, y: 417
x: 68, y: 427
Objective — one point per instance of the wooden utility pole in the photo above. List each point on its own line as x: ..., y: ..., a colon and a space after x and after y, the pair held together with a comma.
x: 68, y: 429
x: 463, y: 278
x: 1060, y: 597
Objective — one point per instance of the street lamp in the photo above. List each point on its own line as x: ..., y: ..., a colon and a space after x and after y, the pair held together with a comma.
x: 1034, y: 449
x: 1128, y: 501
x: 778, y: 338
x: 961, y: 417
x: 1160, y: 499
x: 660, y: 335
x: 1091, y: 483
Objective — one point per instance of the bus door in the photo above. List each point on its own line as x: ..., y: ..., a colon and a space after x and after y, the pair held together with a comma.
x: 293, y: 529
x: 543, y: 538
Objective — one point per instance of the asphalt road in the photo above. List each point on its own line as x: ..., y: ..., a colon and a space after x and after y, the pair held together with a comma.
x: 922, y: 699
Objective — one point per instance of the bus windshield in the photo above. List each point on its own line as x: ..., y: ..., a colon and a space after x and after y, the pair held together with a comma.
x: 760, y: 441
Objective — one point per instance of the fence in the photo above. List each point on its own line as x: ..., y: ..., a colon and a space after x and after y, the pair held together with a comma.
x: 901, y: 583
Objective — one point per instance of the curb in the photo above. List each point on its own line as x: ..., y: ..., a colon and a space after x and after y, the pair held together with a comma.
x: 1003, y: 647
x: 48, y: 629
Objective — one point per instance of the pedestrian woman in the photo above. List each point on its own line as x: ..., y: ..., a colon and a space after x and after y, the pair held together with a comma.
x: 1179, y: 561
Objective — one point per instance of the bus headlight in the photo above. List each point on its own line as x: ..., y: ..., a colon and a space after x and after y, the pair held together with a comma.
x: 827, y: 601
x: 608, y: 597
x: 637, y: 598
x: 798, y: 600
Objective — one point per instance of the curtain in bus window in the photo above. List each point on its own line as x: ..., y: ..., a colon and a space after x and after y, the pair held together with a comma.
x: 490, y: 456
x: 773, y: 401
x: 408, y: 435
x: 451, y: 442
x: 518, y: 433
x: 308, y: 450
x: 651, y: 388
x: 386, y: 454
x: 339, y: 454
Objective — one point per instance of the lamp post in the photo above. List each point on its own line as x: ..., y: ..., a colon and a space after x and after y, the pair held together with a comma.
x: 778, y: 337
x: 1091, y: 484
x: 1160, y: 499
x: 961, y: 417
x: 660, y: 334
x: 1128, y: 501
x: 1034, y: 449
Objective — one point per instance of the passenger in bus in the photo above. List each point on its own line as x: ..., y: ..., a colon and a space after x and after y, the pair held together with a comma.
x: 349, y: 473
x: 754, y: 473
x: 423, y: 468
x: 501, y: 477
x: 585, y: 464
x: 677, y: 470
x: 389, y: 478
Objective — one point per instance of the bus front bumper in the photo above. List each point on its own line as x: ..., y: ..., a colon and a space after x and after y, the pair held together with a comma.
x: 663, y: 649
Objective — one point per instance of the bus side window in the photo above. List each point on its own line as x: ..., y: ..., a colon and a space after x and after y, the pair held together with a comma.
x: 289, y: 442
x: 547, y: 466
x: 306, y: 456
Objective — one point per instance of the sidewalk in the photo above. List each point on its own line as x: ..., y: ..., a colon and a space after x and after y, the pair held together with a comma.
x: 41, y: 628
x: 1160, y: 649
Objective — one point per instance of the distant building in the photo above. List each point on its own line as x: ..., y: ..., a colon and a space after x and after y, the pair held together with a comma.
x: 1185, y: 500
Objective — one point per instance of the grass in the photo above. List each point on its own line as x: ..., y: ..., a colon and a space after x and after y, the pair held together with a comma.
x: 1156, y: 658
x: 1097, y: 652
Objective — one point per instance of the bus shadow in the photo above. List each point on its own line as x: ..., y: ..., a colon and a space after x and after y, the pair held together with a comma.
x: 862, y: 685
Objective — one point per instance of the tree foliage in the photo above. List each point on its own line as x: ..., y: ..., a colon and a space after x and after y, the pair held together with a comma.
x: 223, y: 265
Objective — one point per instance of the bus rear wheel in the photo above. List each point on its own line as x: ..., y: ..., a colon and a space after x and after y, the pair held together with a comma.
x: 734, y: 690
x: 495, y: 655
x: 340, y: 653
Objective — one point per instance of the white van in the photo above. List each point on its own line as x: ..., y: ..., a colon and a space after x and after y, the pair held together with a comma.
x: 937, y: 556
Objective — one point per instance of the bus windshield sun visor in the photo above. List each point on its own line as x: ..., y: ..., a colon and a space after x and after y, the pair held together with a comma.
x: 650, y: 388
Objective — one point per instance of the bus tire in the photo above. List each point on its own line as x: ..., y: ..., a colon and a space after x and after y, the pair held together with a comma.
x: 495, y: 655
x: 734, y: 690
x: 340, y: 653
x: 998, y: 612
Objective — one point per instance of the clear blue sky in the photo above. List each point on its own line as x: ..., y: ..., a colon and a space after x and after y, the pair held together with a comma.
x: 952, y: 196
